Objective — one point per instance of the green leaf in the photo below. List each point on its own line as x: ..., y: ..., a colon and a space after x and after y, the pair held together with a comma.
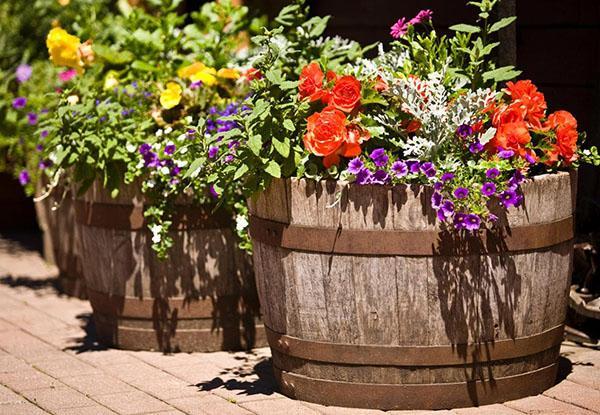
x: 273, y: 169
x: 112, y: 56
x: 143, y: 66
x: 194, y: 168
x: 282, y: 147
x: 255, y: 144
x: 285, y: 85
x: 502, y: 23
x: 466, y: 28
x: 289, y: 125
x: 243, y: 169
x: 504, y: 73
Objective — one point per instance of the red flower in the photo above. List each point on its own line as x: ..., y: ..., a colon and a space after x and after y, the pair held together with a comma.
x: 311, y: 82
x: 326, y: 132
x: 530, y: 102
x: 345, y: 95
x: 560, y: 119
x: 380, y: 84
x: 512, y: 136
x: 252, y: 74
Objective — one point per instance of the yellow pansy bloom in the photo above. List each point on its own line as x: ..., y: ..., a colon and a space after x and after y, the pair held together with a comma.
x: 228, y: 73
x: 198, y: 71
x: 110, y: 80
x: 64, y: 49
x: 171, y: 96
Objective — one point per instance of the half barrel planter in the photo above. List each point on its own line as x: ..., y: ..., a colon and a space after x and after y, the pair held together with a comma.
x: 368, y: 303
x: 61, y: 238
x: 202, y: 298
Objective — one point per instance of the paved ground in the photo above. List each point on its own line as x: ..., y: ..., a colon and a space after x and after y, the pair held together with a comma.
x: 50, y: 363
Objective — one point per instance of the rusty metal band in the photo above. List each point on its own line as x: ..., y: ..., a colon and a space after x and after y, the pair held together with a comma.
x: 451, y: 355
x: 409, y: 243
x: 130, y: 217
x: 144, y: 308
x: 416, y: 396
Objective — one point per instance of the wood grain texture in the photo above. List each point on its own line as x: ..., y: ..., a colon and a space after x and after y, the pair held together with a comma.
x: 204, y: 265
x: 443, y: 300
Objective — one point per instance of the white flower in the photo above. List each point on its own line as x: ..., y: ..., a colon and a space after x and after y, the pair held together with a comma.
x: 159, y: 132
x: 156, y: 230
x: 241, y: 223
x: 181, y: 163
x: 168, y: 130
x: 164, y: 170
x: 150, y: 183
x: 183, y: 150
x: 181, y: 138
x: 72, y: 99
x: 132, y: 148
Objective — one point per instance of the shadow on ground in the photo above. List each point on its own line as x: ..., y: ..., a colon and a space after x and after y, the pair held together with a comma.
x: 89, y: 342
x: 262, y: 382
x: 19, y: 241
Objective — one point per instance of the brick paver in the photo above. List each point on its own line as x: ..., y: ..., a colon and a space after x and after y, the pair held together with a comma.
x: 50, y: 363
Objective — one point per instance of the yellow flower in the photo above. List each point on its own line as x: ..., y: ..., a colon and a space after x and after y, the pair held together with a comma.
x: 171, y: 96
x: 64, y: 49
x: 228, y: 73
x: 64, y: 2
x: 198, y: 71
x: 110, y: 80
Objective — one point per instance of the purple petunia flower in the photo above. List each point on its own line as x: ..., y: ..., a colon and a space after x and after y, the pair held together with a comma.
x: 399, y: 168
x: 436, y: 200
x: 492, y: 217
x: 472, y: 222
x: 355, y: 165
x: 32, y: 118
x: 44, y: 164
x: 39, y: 147
x: 145, y: 149
x: 459, y: 220
x: 151, y: 159
x: 212, y: 152
x: 447, y: 208
x: 228, y: 158
x: 363, y: 176
x: 429, y: 173
x: 19, y: 103
x: 530, y: 159
x: 44, y: 133
x: 421, y: 17
x: 170, y: 149
x: 475, y: 147
x: 213, y: 192
x: 461, y: 192
x: 492, y: 173
x: 506, y: 154
x: 464, y: 131
x: 426, y: 166
x: 380, y: 177
x: 190, y: 133
x: 399, y: 28
x: 446, y: 177
x: 23, y: 73
x: 509, y: 198
x: 516, y: 179
x: 24, y: 177
x: 413, y: 166
x: 175, y: 170
x: 488, y: 189
x: 438, y: 186
x: 379, y: 157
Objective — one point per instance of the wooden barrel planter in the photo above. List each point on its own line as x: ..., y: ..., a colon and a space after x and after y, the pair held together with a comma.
x: 202, y: 298
x: 61, y: 237
x: 368, y: 304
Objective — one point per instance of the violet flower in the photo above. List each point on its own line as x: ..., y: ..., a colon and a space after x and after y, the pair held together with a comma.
x: 145, y: 149
x: 492, y: 173
x: 39, y: 148
x: 446, y: 177
x: 44, y: 164
x: 212, y: 152
x: 413, y: 166
x: 23, y: 73
x: 421, y: 17
x: 363, y: 176
x: 170, y: 149
x: 355, y: 165
x: 19, y: 103
x: 461, y: 192
x: 436, y: 200
x: 32, y: 118
x: 488, y: 189
x: 472, y: 222
x: 213, y: 192
x: 475, y: 147
x: 464, y: 131
x: 506, y: 154
x: 380, y: 177
x: 509, y: 198
x: 459, y: 220
x: 399, y: 168
x: 379, y: 157
x: 24, y: 177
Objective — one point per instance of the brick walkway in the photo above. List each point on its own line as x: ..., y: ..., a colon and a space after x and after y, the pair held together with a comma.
x: 50, y: 363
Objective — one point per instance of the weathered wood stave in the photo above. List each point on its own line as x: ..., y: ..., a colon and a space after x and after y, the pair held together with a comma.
x: 457, y: 298
x: 202, y: 298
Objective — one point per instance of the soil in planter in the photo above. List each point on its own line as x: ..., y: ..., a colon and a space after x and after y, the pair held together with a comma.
x: 370, y: 304
x: 202, y: 298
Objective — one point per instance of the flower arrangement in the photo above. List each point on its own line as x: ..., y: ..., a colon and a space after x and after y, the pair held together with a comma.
x: 429, y: 110
x: 151, y: 107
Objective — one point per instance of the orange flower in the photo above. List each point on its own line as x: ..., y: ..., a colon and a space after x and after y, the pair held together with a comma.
x: 565, y: 126
x: 345, y: 95
x: 311, y: 82
x: 529, y: 100
x: 252, y: 74
x: 512, y: 136
x: 507, y: 113
x: 380, y: 84
x: 326, y: 132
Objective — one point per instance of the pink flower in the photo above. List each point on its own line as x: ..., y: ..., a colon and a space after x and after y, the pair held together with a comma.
x: 66, y: 76
x: 421, y: 17
x: 399, y: 29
